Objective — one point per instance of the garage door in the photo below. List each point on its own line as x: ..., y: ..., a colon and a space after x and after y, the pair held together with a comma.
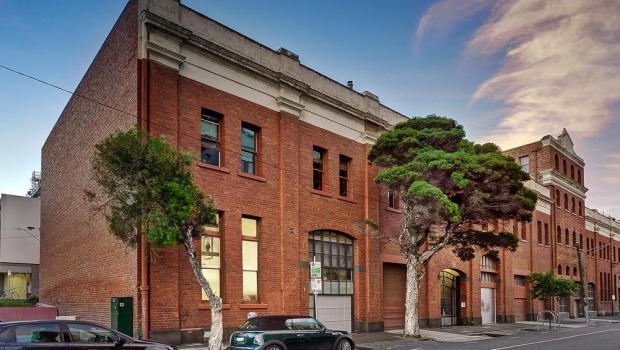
x: 335, y: 312
x: 520, y: 309
x: 394, y: 277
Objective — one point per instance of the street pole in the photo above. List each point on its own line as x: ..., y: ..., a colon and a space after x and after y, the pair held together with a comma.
x: 584, y: 297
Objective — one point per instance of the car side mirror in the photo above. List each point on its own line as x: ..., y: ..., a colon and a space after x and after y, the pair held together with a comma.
x: 323, y: 329
x: 120, y: 342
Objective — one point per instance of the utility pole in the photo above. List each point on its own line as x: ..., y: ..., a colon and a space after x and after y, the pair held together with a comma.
x: 584, y: 296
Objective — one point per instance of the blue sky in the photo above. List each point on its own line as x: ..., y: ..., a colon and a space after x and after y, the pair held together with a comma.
x: 510, y: 71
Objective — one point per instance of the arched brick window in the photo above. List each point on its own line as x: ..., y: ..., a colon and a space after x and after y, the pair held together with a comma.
x: 566, y: 237
x: 564, y: 167
x: 565, y: 201
x: 557, y: 162
x: 575, y: 271
x: 580, y: 209
x: 559, y: 269
x: 572, y: 172
x: 580, y: 241
x: 559, y: 235
x: 572, y: 205
x: 574, y: 239
x: 567, y: 271
x: 579, y: 176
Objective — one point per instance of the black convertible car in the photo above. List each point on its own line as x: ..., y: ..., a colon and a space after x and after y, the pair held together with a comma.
x: 288, y: 333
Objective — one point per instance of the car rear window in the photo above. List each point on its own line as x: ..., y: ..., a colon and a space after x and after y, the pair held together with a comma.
x: 263, y: 324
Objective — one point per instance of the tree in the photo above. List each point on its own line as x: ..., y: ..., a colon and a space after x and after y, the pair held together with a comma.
x: 145, y: 187
x: 447, y: 186
x: 547, y: 285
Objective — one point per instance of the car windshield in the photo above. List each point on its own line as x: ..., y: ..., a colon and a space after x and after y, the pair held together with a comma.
x: 263, y: 324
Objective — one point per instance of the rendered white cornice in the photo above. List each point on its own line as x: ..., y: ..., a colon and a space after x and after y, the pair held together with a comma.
x: 553, y: 177
x: 544, y: 199
x: 282, y: 65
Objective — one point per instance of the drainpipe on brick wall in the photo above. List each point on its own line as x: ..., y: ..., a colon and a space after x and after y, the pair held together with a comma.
x: 144, y: 279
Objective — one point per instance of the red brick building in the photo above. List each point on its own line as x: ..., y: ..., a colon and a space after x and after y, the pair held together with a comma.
x: 282, y: 150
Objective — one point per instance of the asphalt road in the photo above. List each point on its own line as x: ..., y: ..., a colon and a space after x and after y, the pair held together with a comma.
x: 601, y: 337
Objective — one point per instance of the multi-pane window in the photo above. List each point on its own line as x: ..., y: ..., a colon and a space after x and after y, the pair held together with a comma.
x: 488, y: 263
x: 539, y: 232
x: 335, y: 253
x: 590, y: 297
x: 318, y: 167
x: 249, y: 146
x: 519, y: 281
x: 249, y: 251
x: 210, y: 257
x: 525, y: 163
x: 523, y: 231
x: 392, y: 199
x: 487, y: 277
x: 210, y: 135
x: 562, y: 305
x: 343, y: 174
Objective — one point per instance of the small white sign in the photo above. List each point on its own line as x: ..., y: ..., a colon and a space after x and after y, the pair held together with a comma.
x: 315, y: 269
x: 316, y: 285
x: 613, y: 297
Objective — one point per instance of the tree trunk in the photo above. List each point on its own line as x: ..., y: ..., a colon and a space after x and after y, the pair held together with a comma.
x: 217, y: 326
x: 412, y: 299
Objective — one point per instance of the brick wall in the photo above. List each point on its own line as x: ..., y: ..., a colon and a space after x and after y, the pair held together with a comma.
x: 82, y: 265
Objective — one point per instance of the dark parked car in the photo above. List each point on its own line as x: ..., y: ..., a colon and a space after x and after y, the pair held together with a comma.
x: 64, y: 334
x: 288, y: 333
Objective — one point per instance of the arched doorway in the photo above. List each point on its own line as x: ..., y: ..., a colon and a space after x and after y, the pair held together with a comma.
x: 450, y: 281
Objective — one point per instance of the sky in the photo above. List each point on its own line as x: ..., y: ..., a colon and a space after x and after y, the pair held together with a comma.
x: 510, y: 71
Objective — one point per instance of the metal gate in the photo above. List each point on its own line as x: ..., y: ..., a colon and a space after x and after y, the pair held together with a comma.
x: 450, y: 297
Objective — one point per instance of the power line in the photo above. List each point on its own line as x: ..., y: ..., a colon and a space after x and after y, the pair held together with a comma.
x: 178, y: 131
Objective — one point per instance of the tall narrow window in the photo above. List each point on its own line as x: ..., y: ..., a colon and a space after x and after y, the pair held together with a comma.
x: 539, y: 232
x: 210, y: 257
x: 524, y: 231
x: 525, y: 163
x: 558, y: 199
x: 344, y: 175
x: 249, y: 135
x: 318, y: 167
x: 558, y: 237
x: 573, y: 207
x: 557, y: 162
x: 566, y: 237
x: 249, y: 251
x: 392, y: 199
x: 210, y: 138
x: 578, y: 176
x: 565, y: 201
x: 546, y: 234
x: 572, y: 172
x: 564, y: 168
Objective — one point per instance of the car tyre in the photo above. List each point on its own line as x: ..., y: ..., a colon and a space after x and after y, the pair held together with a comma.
x: 273, y: 347
x: 344, y: 344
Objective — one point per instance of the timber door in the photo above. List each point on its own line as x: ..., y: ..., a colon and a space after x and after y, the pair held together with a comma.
x: 394, y: 277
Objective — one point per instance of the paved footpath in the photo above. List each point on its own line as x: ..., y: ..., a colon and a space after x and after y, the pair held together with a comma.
x: 453, y: 334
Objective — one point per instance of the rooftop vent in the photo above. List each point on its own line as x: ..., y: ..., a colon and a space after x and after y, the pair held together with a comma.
x: 350, y: 84
x: 289, y: 54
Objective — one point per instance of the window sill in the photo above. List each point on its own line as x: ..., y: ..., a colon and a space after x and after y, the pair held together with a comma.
x: 252, y: 177
x: 207, y: 306
x: 213, y: 167
x: 253, y: 306
x: 346, y: 199
x: 393, y: 210
x: 321, y: 193
x: 523, y: 240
